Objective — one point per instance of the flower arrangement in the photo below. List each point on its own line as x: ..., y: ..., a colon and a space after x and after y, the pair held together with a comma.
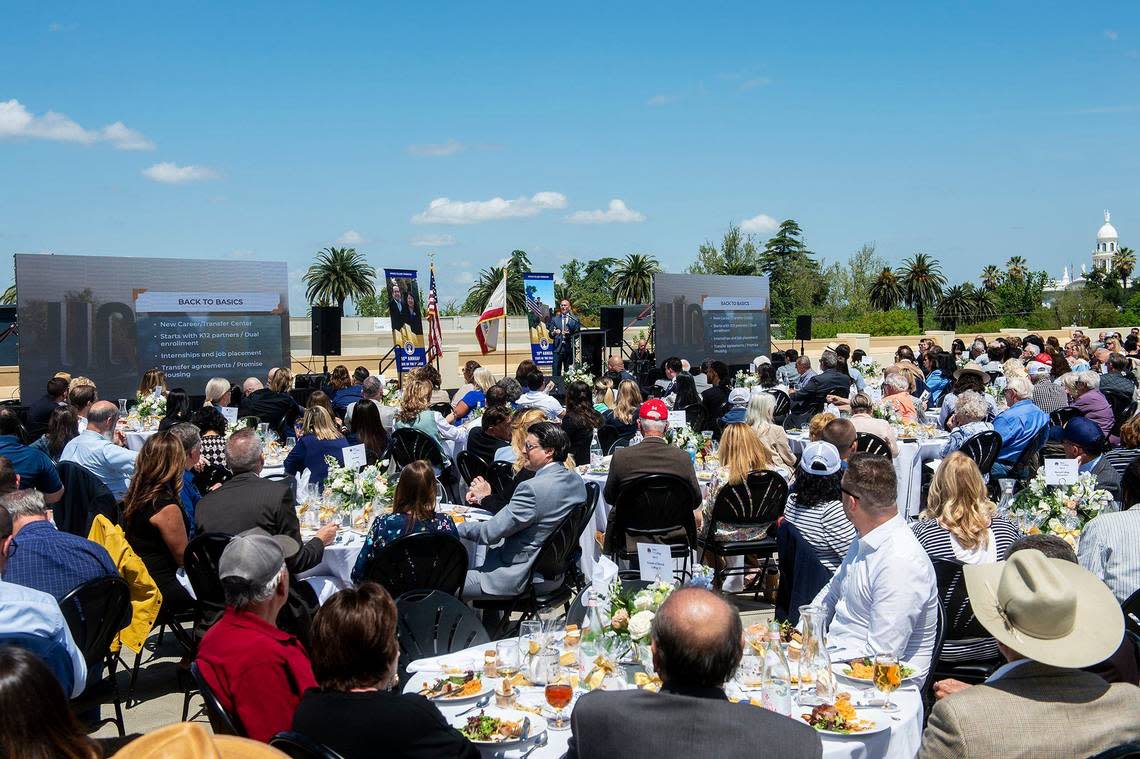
x: 1061, y: 510
x: 150, y: 406
x: 630, y: 616
x: 354, y: 489
x: 746, y: 379
x: 391, y: 395
x: 886, y: 410
x: 870, y: 368
x: 995, y: 392
x: 576, y: 374
x: 682, y: 436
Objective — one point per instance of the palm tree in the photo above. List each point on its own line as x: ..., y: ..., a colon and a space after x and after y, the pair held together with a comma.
x: 1017, y: 267
x: 956, y: 307
x: 886, y: 291
x: 337, y: 275
x: 633, y: 278
x: 488, y: 279
x: 9, y: 296
x: 984, y: 308
x: 922, y: 283
x: 991, y: 277
x: 1123, y: 262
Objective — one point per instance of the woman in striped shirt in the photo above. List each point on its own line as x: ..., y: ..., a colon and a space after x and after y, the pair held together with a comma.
x: 960, y: 524
x: 815, y: 508
x: 1129, y: 448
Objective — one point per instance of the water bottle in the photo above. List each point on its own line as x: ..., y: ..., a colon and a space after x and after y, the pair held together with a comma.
x: 1006, y: 496
x: 691, y: 449
x: 636, y: 438
x: 776, y: 679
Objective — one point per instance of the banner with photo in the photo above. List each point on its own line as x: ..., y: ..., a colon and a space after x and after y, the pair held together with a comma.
x: 539, y: 289
x: 407, y: 322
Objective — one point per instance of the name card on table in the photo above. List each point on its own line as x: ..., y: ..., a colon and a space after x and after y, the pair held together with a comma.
x: 655, y: 562
x: 354, y: 456
x: 677, y: 419
x: 230, y: 413
x: 1061, y: 471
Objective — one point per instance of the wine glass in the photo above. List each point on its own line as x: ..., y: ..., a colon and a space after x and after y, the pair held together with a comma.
x: 559, y: 694
x: 508, y: 655
x: 886, y: 674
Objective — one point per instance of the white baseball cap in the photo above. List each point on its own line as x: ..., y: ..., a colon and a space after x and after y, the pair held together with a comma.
x: 820, y: 458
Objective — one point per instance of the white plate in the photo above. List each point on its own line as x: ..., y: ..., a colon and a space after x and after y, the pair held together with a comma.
x: 881, y: 724
x: 537, y: 724
x: 483, y: 691
x: 841, y: 670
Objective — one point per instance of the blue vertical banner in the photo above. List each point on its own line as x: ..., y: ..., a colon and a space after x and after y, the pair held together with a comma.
x: 539, y: 289
x: 407, y: 322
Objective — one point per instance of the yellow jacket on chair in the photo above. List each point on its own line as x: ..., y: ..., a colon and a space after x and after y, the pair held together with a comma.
x: 145, y: 598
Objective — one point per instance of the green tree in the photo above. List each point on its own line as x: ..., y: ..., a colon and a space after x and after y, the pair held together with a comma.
x: 991, y: 277
x: 338, y: 274
x: 795, y: 281
x: 371, y: 305
x: 982, y: 302
x: 633, y: 278
x: 922, y: 283
x: 956, y: 307
x: 1017, y: 267
x: 9, y: 296
x: 488, y: 279
x: 886, y: 291
x: 587, y: 285
x: 1123, y: 262
x: 737, y: 255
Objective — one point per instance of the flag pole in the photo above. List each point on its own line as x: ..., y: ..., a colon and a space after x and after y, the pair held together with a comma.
x: 505, y: 299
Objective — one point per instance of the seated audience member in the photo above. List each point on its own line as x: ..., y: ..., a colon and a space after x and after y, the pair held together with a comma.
x: 737, y: 413
x: 535, y: 510
x: 861, y: 417
x: 812, y: 393
x: 367, y: 428
x: 248, y: 500
x: 352, y: 393
x: 212, y: 427
x: 696, y: 643
x: 684, y: 393
x: 1084, y: 442
x: 1050, y: 617
x: 40, y: 411
x: 271, y: 405
x: 883, y: 597
x: 191, y: 441
x: 840, y: 433
x: 479, y: 492
x: 815, y: 508
x: 715, y: 398
x: 1110, y: 543
x: 81, y: 398
x: 772, y: 436
x: 670, y: 368
x: 700, y: 377
x: 938, y: 367
x: 622, y: 418
x: 536, y: 397
x: 1087, y: 398
x: 320, y: 398
x: 961, y: 524
x: 803, y: 371
x: 1047, y: 394
x: 513, y: 389
x: 603, y: 394
x: 355, y: 708
x: 475, y: 398
x: 339, y: 378
x: 413, y: 512
x: 969, y: 377
x: 969, y: 419
x: 787, y: 375
x: 430, y: 374
x: 35, y: 468
x: 26, y: 611
x: 843, y: 354
x: 521, y: 421
x: 62, y: 427
x: 653, y: 455
x: 817, y: 423
x: 218, y: 393
x: 93, y: 450
x: 152, y: 382
x: 580, y: 421
x: 468, y: 381
x: 153, y: 520
x: 415, y: 412
x: 177, y: 409
x: 904, y: 364
x: 493, y: 433
x: 42, y: 557
x: 1118, y: 379
x: 615, y: 370
x: 741, y: 453
x: 1120, y: 458
x: 319, y: 438
x: 257, y: 670
x: 372, y: 391
x: 895, y: 393
x: 1020, y: 425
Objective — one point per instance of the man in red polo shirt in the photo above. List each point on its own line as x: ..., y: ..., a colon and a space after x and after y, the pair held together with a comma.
x: 257, y: 671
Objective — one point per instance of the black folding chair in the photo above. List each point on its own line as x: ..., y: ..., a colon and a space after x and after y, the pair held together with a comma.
x: 472, y: 466
x: 621, y: 442
x: 299, y: 746
x: 1123, y: 751
x: 409, y: 444
x: 221, y: 721
x: 657, y: 508
x: 783, y: 403
x: 427, y: 561
x: 443, y: 407
x: 84, y: 496
x: 695, y: 416
x: 502, y: 474
x: 865, y: 442
x: 756, y: 504
x: 961, y: 624
x: 983, y: 448
x: 430, y: 623
x: 1061, y: 416
x: 577, y: 613
x: 200, y: 560
x: 1131, y: 609
x: 927, y: 691
x: 802, y: 574
x: 95, y: 612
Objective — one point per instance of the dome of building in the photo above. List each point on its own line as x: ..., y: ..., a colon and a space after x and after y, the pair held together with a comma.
x: 1107, y: 231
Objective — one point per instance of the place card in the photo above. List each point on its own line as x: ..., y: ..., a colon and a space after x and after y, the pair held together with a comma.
x: 1061, y: 471
x: 677, y: 419
x: 655, y: 562
x: 230, y: 413
x: 354, y: 456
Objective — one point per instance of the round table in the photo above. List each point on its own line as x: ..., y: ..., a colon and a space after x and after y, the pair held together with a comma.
x: 136, y: 438
x: 901, y: 741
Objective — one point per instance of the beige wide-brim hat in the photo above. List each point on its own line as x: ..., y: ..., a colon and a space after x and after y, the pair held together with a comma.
x: 971, y: 367
x: 190, y: 740
x: 1049, y: 610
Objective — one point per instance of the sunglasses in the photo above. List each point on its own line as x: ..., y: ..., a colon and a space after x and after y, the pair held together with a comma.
x: 845, y: 491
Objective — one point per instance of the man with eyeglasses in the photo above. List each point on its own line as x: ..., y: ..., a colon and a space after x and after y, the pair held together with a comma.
x: 883, y: 598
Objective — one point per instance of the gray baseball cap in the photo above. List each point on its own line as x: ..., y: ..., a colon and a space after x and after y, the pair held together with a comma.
x: 255, y: 556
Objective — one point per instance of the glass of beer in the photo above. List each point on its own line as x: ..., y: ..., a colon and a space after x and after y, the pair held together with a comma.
x: 886, y: 674
x: 559, y: 694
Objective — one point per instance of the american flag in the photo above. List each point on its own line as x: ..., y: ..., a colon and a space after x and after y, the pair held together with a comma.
x: 435, y: 337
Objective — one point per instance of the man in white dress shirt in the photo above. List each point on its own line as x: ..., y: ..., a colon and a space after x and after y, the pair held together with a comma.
x: 883, y: 598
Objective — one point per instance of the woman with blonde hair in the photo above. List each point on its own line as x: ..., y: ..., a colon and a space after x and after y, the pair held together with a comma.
x: 468, y: 381
x: 603, y: 394
x: 817, y: 423
x: 217, y: 393
x: 152, y: 380
x: 771, y: 435
x: 475, y: 398
x: 522, y: 420
x: 415, y: 412
x: 281, y: 381
x: 622, y: 418
x: 961, y: 524
x: 320, y: 437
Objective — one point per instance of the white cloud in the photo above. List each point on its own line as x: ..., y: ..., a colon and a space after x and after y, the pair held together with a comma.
x: 1111, y: 34
x: 243, y: 254
x: 428, y: 150
x: 350, y: 237
x: 448, y: 211
x: 759, y: 81
x: 659, y: 100
x: 17, y: 122
x: 464, y: 278
x: 171, y: 173
x: 617, y: 213
x: 433, y: 241
x: 759, y: 223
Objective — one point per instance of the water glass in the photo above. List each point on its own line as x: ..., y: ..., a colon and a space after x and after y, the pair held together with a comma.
x: 508, y: 654
x: 289, y: 443
x: 543, y: 667
x: 530, y: 636
x: 262, y: 428
x: 122, y: 406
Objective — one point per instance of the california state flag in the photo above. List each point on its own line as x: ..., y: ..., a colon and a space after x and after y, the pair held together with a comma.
x: 487, y: 328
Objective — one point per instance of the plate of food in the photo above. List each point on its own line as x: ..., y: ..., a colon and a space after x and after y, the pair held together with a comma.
x: 499, y: 727
x: 862, y: 670
x: 455, y: 687
x: 840, y: 719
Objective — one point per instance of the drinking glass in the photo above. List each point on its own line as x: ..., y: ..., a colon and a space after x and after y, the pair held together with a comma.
x: 559, y: 694
x: 289, y: 443
x: 544, y: 666
x: 122, y: 406
x: 262, y: 428
x: 886, y: 674
x: 509, y: 660
x: 530, y: 636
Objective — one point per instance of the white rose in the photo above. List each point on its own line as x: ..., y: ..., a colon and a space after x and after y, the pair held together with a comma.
x: 643, y: 601
x: 639, y: 625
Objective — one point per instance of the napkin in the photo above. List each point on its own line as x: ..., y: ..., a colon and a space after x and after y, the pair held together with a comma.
x: 466, y: 659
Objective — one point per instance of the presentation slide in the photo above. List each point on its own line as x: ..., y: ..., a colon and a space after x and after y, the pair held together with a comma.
x: 702, y: 317
x: 112, y: 318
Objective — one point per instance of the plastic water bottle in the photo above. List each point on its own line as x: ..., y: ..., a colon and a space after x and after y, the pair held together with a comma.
x: 691, y: 449
x: 595, y: 450
x: 776, y: 679
x: 636, y: 438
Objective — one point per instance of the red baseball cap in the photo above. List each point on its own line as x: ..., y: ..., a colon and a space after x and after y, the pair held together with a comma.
x: 654, y: 409
x: 1044, y: 358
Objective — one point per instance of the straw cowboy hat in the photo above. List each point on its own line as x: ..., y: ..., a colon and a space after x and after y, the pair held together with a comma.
x: 972, y: 367
x: 191, y: 740
x: 1049, y: 610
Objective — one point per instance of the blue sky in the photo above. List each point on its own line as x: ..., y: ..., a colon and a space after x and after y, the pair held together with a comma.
x: 270, y: 130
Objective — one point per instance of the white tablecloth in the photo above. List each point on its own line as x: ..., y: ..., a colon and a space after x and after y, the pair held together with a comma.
x: 901, y: 741
x: 135, y: 440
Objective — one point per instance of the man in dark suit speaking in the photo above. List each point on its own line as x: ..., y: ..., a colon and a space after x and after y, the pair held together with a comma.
x: 697, y: 645
x: 563, y: 326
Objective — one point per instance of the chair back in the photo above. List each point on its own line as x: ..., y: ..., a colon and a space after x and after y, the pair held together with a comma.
x: 983, y: 448
x: 502, y: 474
x: 783, y: 402
x: 1028, y: 461
x: 84, y: 496
x: 95, y: 612
x: 51, y: 652
x: 695, y: 416
x: 621, y: 442
x: 443, y: 407
x: 430, y: 623
x: 298, y: 746
x: 657, y: 508
x: 425, y: 561
x: 577, y: 613
x: 586, y: 513
x: 1061, y: 416
x: 802, y: 574
x: 410, y: 444
x: 472, y: 466
x: 1123, y: 751
x: 927, y: 692
x: 557, y: 551
x: 221, y: 721
x: 866, y: 442
x: 1131, y: 609
x: 759, y: 500
x: 201, y: 560
x: 960, y: 620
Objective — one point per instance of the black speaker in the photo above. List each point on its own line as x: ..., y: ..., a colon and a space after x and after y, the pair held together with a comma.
x: 612, y: 318
x: 326, y: 331
x: 592, y: 342
x: 803, y: 327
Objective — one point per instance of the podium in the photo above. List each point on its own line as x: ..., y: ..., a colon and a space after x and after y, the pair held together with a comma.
x: 588, y: 346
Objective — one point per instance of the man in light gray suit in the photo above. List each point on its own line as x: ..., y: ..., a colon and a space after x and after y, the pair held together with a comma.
x: 524, y: 524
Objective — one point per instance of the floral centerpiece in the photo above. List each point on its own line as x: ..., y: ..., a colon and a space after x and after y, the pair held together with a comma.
x: 149, y: 406
x: 682, y: 436
x: 622, y: 621
x: 746, y: 379
x: 366, y: 490
x: 1061, y: 510
x: 391, y: 395
x: 886, y: 410
x: 578, y: 374
x: 870, y: 368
